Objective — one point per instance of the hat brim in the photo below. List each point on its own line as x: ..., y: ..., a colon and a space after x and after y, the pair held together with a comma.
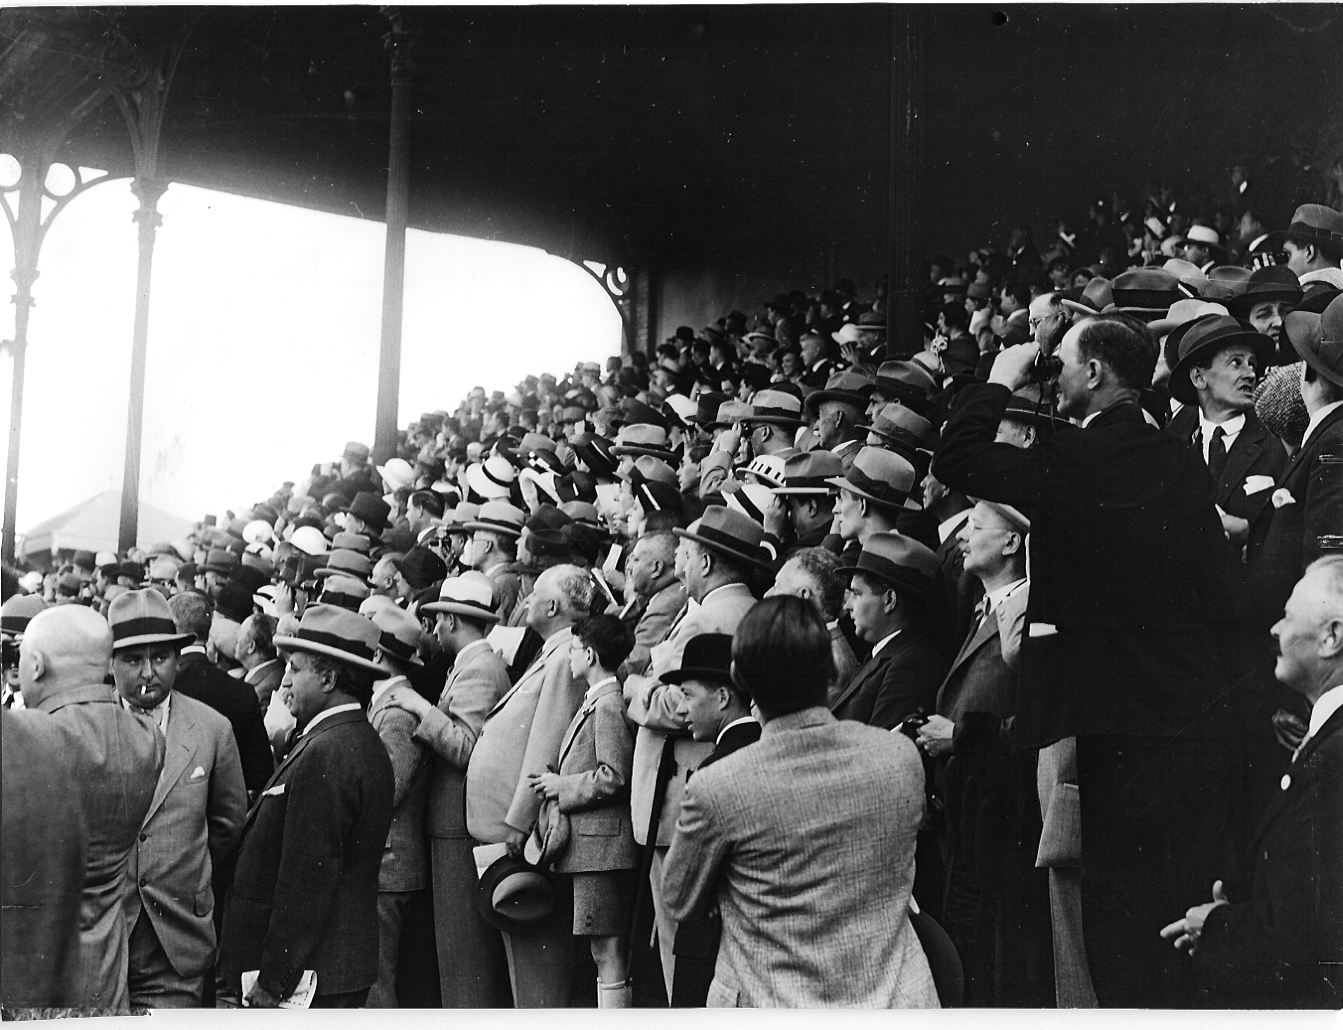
x: 815, y: 400
x: 1303, y: 329
x: 908, y: 504
x: 178, y: 640
x: 802, y: 491
x: 490, y: 527
x: 299, y: 644
x: 924, y: 589
x: 774, y: 420
x: 1078, y: 308
x: 650, y: 452
x: 452, y: 608
x: 328, y: 571
x: 724, y: 550
x: 1242, y: 304
x: 1180, y: 385
x: 490, y: 880
x: 694, y: 672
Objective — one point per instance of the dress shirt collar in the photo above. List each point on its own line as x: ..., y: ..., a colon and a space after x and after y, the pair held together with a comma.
x: 948, y: 527
x: 735, y: 722
x: 876, y: 650
x: 1230, y: 430
x: 1330, y: 702
x: 159, y: 713
x: 838, y: 448
x: 1317, y: 418
x: 998, y: 596
x: 1091, y: 418
x: 599, y: 688
x: 351, y: 707
x: 381, y: 686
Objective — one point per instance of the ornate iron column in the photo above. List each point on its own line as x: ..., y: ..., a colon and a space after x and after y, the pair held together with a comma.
x: 385, y: 432
x: 905, y: 289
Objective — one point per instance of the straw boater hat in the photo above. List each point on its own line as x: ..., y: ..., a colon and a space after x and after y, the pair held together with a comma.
x: 470, y: 594
x: 899, y: 561
x: 143, y: 617
x: 729, y: 533
x: 335, y: 633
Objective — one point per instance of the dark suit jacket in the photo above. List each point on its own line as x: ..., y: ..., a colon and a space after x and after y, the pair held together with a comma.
x: 894, y: 684
x: 236, y: 701
x: 1279, y: 944
x: 305, y: 894
x: 1284, y: 540
x: 1256, y: 452
x: 1131, y: 591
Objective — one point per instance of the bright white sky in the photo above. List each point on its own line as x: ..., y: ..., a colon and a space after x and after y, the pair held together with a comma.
x: 263, y: 342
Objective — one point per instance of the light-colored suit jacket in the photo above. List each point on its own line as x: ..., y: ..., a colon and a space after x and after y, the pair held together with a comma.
x: 652, y: 706
x: 198, y: 809
x: 806, y: 840
x: 405, y: 858
x: 478, y: 680
x: 595, y: 759
x: 653, y: 626
x: 521, y: 736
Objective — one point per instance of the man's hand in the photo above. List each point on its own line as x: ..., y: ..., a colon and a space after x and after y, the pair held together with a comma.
x: 408, y: 700
x: 935, y: 735
x: 515, y: 840
x: 1187, y: 931
x: 1289, y: 729
x: 260, y: 998
x: 729, y: 441
x: 1012, y: 366
x: 284, y: 599
x: 1236, y: 530
x: 776, y: 517
x: 546, y: 785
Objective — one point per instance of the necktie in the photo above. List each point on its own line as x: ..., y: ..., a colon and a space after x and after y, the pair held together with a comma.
x: 1217, y: 453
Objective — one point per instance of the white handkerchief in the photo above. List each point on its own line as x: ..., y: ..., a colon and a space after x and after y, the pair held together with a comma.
x: 1282, y: 497
x: 1043, y: 629
x: 274, y: 792
x: 1257, y: 484
x: 197, y: 773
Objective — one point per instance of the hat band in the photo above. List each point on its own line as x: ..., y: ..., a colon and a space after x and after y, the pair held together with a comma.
x: 1315, y: 232
x: 732, y: 543
x: 396, y: 647
x: 352, y: 647
x: 485, y: 471
x: 893, y: 432
x: 466, y: 603
x: 646, y: 496
x: 882, y: 491
x: 900, y: 575
x: 144, y: 627
x: 807, y: 483
x: 749, y: 506
x: 493, y: 524
x: 762, y: 413
x: 900, y: 389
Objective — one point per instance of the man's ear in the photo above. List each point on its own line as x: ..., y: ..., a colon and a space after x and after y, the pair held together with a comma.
x: 890, y: 600
x: 40, y: 664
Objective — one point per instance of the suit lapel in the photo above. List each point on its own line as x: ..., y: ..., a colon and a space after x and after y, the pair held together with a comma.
x: 1248, y: 446
x: 180, y: 747
x: 862, y: 676
x: 1333, y: 725
x: 537, y: 667
x: 1309, y: 447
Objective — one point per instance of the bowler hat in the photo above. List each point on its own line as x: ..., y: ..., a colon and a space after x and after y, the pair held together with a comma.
x: 140, y: 617
x: 1319, y: 339
x: 706, y: 656
x: 729, y: 533
x: 513, y: 895
x: 1204, y: 337
x: 335, y: 633
x: 470, y: 594
x: 881, y: 477
x: 898, y: 560
x: 370, y: 509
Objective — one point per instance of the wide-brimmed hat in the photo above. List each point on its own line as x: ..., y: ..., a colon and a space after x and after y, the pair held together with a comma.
x: 18, y: 611
x: 634, y: 411
x: 1311, y: 223
x: 729, y: 413
x: 906, y: 382
x: 371, y: 509
x: 398, y: 633
x: 1147, y: 291
x: 901, y: 424
x: 1096, y: 297
x: 335, y: 632
x: 642, y: 438
x: 729, y: 533
x: 347, y: 563
x: 646, y: 468
x: 1184, y: 310
x: 470, y: 594
x: 1319, y: 339
x: 498, y: 517
x: 514, y: 895
x: 776, y: 407
x: 809, y: 473
x: 849, y: 387
x: 881, y: 477
x: 899, y: 561
x: 1224, y: 282
x: 143, y: 617
x: 1272, y: 283
x: 1203, y: 338
x: 707, y: 656
x: 420, y: 567
x: 397, y: 473
x: 491, y: 478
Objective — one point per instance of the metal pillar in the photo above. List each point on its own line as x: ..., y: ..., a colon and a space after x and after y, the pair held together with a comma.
x: 906, y: 290
x: 386, y: 435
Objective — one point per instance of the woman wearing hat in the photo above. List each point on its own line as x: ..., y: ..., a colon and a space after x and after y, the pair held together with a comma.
x: 1266, y: 298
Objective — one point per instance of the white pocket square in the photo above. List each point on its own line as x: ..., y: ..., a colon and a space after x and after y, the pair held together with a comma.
x: 1042, y: 629
x: 1257, y: 484
x: 274, y: 792
x: 197, y: 773
x: 1282, y: 497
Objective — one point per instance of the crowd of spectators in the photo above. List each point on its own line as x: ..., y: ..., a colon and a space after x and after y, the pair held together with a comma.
x: 785, y: 665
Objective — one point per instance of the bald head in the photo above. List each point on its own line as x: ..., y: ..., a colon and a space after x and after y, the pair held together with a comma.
x: 63, y: 648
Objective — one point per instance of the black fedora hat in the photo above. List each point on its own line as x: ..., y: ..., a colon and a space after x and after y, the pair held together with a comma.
x: 595, y: 452
x: 706, y: 657
x: 1206, y: 336
x: 514, y: 896
x: 1270, y: 283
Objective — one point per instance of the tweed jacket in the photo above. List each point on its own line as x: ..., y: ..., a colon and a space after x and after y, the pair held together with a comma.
x: 405, y: 858
x: 658, y: 615
x: 652, y: 706
x: 893, y: 684
x: 197, y: 811
x: 806, y: 839
x: 1279, y: 944
x: 116, y: 757
x: 1255, y: 452
x: 1287, y: 538
x: 305, y: 892
x: 477, y: 681
x: 236, y: 702
x: 596, y: 756
x: 521, y: 735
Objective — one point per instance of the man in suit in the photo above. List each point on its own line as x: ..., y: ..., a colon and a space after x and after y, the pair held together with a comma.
x: 520, y: 738
x: 255, y: 652
x: 806, y: 923
x: 470, y: 956
x: 1273, y: 938
x: 892, y: 589
x: 650, y: 573
x: 813, y: 573
x: 305, y: 891
x: 117, y: 756
x: 199, y: 678
x: 718, y: 556
x: 879, y: 494
x: 404, y: 900
x: 197, y: 810
x: 1129, y: 610
x: 716, y: 710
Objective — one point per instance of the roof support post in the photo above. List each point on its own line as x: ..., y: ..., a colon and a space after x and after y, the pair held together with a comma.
x: 905, y: 291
